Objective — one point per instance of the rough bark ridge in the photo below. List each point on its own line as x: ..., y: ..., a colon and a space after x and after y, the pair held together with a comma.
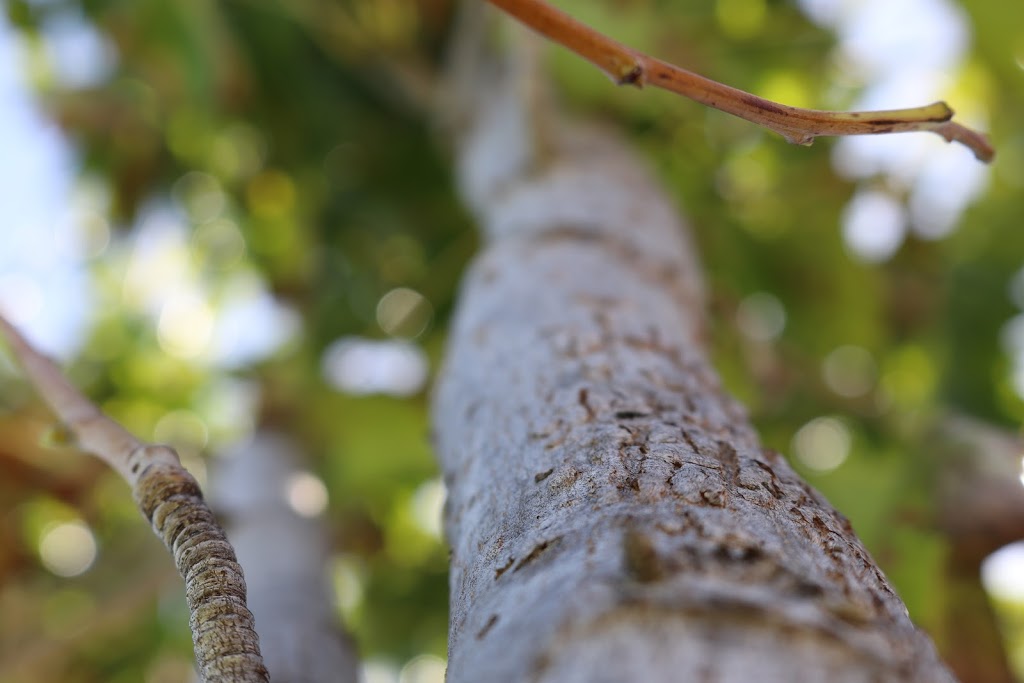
x: 611, y: 513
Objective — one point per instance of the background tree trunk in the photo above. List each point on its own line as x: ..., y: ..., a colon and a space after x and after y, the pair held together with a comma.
x: 284, y: 556
x: 611, y: 513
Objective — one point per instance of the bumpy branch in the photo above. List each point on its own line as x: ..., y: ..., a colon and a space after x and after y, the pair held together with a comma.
x: 627, y: 66
x: 223, y: 633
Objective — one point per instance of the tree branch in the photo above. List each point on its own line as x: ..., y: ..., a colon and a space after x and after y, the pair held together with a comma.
x: 627, y: 66
x: 223, y: 633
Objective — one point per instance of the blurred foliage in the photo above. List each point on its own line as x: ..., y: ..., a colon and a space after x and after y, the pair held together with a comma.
x: 294, y: 139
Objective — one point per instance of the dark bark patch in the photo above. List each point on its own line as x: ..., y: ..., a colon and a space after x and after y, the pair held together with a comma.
x: 630, y: 415
x: 690, y: 442
x: 771, y: 457
x: 762, y: 104
x: 501, y: 570
x: 487, y: 627
x: 730, y: 462
x: 808, y: 589
x: 584, y: 400
x: 632, y: 77
x: 735, y: 550
x: 715, y: 497
x: 641, y: 557
x: 537, y: 551
x: 772, y: 485
x: 564, y: 479
x: 853, y: 611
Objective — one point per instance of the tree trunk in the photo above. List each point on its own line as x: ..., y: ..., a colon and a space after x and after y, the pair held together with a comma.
x: 611, y: 514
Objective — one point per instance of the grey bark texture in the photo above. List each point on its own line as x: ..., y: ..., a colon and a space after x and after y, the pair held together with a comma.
x: 284, y: 556
x: 611, y: 514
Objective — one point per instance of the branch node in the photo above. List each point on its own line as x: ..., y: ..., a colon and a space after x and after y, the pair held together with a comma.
x: 633, y: 76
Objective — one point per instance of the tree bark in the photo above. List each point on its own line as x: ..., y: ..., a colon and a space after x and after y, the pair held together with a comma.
x: 611, y: 514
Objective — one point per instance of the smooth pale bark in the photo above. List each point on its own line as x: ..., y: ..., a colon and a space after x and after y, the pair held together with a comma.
x: 285, y: 558
x: 611, y: 513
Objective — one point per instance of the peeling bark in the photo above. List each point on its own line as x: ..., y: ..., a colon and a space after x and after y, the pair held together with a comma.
x: 611, y: 513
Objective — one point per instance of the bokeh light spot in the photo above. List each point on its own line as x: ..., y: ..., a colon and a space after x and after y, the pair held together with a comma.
x: 181, y: 428
x: 423, y: 669
x: 761, y: 317
x: 94, y: 231
x: 219, y: 244
x: 743, y: 178
x: 200, y: 194
x: 788, y: 87
x: 1002, y: 572
x: 67, y: 549
x: 849, y: 371
x: 349, y: 579
x: 238, y: 152
x: 270, y: 194
x: 306, y: 494
x: 874, y: 225
x: 404, y: 312
x: 376, y: 671
x: 364, y: 366
x: 822, y: 444
x: 428, y: 507
x: 740, y: 19
x: 909, y: 377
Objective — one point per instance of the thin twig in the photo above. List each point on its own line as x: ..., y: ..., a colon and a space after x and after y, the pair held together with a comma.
x: 627, y: 66
x: 226, y: 644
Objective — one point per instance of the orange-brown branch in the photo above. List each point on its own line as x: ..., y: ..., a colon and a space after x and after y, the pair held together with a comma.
x: 627, y: 66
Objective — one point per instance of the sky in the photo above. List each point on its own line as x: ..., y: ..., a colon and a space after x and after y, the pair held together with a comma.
x: 43, y: 285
